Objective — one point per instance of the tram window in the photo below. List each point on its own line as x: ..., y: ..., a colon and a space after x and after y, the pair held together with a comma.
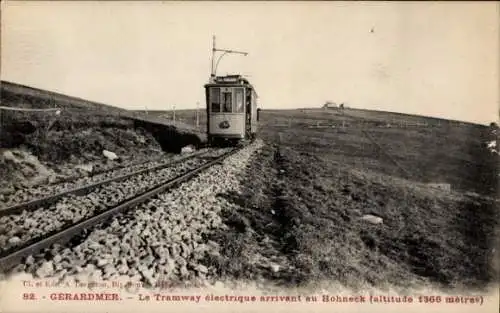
x: 227, y: 103
x: 238, y: 102
x: 215, y: 99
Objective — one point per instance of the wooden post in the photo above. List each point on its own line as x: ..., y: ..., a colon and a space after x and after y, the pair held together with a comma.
x: 197, y: 115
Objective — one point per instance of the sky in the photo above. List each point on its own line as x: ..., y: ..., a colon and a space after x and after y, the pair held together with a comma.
x: 431, y: 58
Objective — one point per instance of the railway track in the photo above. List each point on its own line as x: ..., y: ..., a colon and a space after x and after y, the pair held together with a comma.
x: 21, y: 198
x: 81, y: 189
x: 13, y: 255
x: 95, y: 174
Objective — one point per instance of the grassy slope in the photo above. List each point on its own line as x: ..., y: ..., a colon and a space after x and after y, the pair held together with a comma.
x: 183, y: 116
x: 75, y: 113
x: 320, y: 181
x: 17, y: 95
x: 444, y: 151
x: 77, y: 135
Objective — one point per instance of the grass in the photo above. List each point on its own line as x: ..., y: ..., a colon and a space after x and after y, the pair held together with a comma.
x: 17, y: 95
x: 305, y: 194
x: 77, y: 135
x: 183, y: 116
x: 443, y: 151
x: 446, y: 152
x: 44, y: 129
x: 75, y: 114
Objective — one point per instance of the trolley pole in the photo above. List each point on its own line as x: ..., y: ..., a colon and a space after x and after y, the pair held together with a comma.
x: 212, y: 74
x: 213, y: 70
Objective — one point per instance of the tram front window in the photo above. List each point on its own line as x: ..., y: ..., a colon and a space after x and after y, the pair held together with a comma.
x: 215, y: 99
x: 227, y: 104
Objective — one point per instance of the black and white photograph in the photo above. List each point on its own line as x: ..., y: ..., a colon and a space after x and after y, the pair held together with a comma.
x: 249, y: 156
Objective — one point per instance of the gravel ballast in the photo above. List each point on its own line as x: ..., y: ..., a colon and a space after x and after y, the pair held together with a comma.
x: 28, y: 194
x: 19, y: 228
x: 163, y: 240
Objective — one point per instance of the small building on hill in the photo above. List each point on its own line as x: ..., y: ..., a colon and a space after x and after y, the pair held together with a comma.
x: 333, y: 105
x: 330, y: 105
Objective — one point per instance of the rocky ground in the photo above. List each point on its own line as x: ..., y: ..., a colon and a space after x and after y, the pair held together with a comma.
x: 17, y: 229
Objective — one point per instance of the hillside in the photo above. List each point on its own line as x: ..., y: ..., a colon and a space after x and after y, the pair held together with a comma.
x: 37, y: 147
x: 427, y: 149
x: 404, y: 207
x: 17, y: 95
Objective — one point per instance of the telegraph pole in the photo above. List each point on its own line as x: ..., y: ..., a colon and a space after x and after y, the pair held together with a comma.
x: 197, y: 115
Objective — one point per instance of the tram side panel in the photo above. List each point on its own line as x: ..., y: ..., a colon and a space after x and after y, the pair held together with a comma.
x: 254, y: 114
x: 208, y: 113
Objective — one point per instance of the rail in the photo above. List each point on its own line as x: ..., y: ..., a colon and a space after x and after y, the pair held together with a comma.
x: 94, y: 173
x: 10, y: 259
x: 34, y: 204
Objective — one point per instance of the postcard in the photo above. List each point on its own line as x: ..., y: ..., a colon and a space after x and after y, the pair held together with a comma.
x: 245, y: 156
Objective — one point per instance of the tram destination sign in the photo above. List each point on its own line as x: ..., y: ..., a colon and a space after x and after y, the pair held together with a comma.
x: 228, y: 79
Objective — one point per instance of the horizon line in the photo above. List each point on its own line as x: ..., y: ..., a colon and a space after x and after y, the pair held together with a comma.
x: 283, y: 109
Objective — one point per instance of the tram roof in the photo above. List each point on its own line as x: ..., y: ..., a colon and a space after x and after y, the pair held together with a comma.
x: 229, y: 80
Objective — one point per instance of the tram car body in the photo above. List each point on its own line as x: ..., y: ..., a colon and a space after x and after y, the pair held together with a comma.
x: 232, y: 113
